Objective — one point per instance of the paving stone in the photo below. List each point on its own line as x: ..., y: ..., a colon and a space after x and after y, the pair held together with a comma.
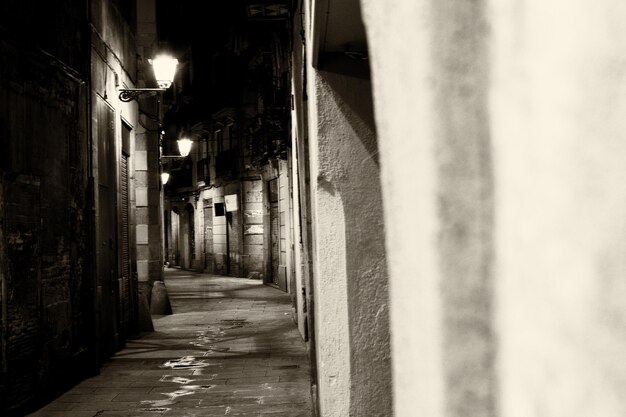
x: 230, y: 348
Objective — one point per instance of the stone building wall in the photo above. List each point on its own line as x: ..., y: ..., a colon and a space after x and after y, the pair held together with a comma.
x: 44, y: 251
x: 48, y: 88
x: 253, y: 240
x: 113, y: 144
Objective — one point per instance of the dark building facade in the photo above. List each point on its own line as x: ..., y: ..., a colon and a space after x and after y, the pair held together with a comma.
x: 47, y: 287
x: 67, y: 258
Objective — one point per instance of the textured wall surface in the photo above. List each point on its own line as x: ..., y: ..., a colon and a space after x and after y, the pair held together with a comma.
x: 502, y: 148
x: 352, y: 332
x: 46, y: 297
x: 148, y: 183
x: 48, y: 333
x: 235, y: 231
x: 112, y: 63
x: 253, y: 241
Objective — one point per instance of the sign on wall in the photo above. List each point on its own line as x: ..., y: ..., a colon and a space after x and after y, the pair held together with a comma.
x: 231, y: 202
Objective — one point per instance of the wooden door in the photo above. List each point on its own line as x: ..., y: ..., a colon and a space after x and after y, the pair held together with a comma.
x: 106, y: 238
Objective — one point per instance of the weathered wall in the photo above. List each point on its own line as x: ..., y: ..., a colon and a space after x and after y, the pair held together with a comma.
x: 46, y: 287
x: 502, y: 144
x: 299, y: 284
x: 238, y: 234
x: 235, y: 231
x: 302, y: 197
x: 285, y: 225
x: 149, y: 226
x: 351, y: 282
x: 253, y: 241
x: 219, y: 236
x: 113, y: 65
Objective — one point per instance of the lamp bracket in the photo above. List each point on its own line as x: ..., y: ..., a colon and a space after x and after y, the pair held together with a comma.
x: 130, y: 94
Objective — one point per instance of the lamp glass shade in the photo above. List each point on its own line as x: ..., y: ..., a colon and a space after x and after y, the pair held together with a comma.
x: 184, y: 146
x: 164, y: 67
x: 165, y: 176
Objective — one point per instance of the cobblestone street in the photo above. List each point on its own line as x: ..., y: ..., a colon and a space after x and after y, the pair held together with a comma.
x: 231, y: 348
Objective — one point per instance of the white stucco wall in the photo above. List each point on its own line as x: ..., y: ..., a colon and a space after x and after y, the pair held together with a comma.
x: 430, y: 116
x: 537, y: 92
x: 352, y: 333
x: 297, y: 236
x: 558, y: 99
x: 330, y: 291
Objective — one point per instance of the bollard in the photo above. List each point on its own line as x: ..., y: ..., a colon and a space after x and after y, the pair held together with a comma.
x: 144, y: 319
x: 160, y: 302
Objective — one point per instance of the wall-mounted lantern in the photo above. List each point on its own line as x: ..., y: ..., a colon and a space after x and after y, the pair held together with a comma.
x: 184, y: 146
x: 164, y: 68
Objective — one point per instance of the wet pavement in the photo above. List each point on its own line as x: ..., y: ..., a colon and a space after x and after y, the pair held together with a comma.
x: 231, y: 348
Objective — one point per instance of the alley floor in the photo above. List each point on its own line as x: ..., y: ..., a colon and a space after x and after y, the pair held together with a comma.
x: 231, y: 348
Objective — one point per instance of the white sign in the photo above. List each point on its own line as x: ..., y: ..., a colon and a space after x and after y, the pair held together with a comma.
x: 231, y: 202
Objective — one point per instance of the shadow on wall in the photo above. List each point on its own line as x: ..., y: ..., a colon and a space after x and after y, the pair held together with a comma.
x: 350, y: 80
x: 366, y: 270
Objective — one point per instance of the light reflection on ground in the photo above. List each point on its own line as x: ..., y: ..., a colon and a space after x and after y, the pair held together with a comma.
x: 186, y: 362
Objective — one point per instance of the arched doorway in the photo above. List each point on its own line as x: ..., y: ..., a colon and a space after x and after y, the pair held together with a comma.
x: 187, y: 238
x: 174, y: 249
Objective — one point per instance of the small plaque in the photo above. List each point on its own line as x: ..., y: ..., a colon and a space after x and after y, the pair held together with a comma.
x: 231, y: 202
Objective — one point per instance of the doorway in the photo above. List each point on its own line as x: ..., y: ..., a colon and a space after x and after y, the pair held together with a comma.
x: 107, y: 239
x: 188, y: 237
x: 208, y: 235
x: 275, y: 277
x: 175, y: 240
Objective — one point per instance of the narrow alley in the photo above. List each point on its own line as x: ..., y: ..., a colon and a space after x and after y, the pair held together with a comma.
x: 320, y: 208
x: 230, y: 348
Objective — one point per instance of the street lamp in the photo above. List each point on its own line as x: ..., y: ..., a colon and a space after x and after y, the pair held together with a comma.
x: 184, y: 146
x: 164, y: 67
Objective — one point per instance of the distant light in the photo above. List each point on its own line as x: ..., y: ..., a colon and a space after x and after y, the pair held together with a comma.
x: 164, y: 67
x: 184, y: 146
x: 165, y: 176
